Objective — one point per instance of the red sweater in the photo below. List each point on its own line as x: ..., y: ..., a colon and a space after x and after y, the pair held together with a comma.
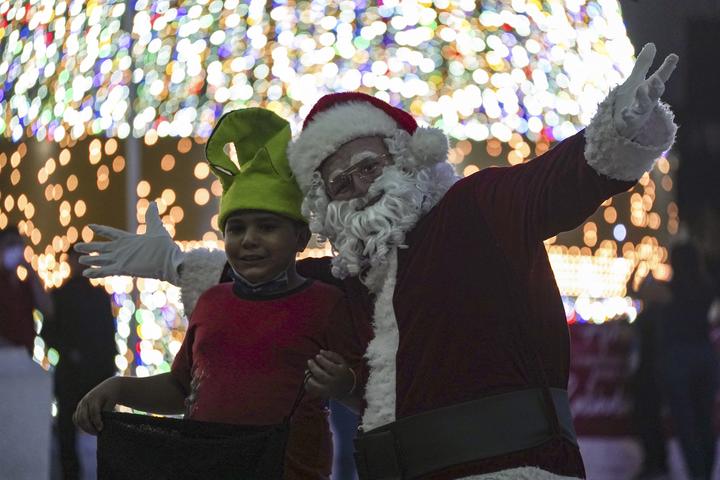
x: 470, y: 262
x: 246, y: 359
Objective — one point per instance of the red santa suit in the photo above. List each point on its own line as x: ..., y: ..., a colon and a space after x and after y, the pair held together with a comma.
x: 468, y: 310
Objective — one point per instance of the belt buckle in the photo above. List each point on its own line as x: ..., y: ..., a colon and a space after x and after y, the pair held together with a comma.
x: 376, y: 456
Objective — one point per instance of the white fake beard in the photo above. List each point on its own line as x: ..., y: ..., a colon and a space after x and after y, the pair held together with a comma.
x: 363, y: 236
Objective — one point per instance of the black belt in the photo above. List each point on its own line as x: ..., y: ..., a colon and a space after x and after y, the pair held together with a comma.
x: 459, y: 434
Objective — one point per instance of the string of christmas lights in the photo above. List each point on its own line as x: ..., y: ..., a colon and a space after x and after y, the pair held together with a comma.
x: 517, y: 75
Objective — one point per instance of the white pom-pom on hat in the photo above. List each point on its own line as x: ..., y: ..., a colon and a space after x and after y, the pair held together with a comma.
x: 429, y: 146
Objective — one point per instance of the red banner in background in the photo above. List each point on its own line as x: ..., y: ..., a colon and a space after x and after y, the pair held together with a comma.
x: 600, y: 397
x: 600, y: 373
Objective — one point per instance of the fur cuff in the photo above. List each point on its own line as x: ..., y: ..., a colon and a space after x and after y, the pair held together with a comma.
x: 619, y: 158
x: 522, y: 473
x: 201, y: 270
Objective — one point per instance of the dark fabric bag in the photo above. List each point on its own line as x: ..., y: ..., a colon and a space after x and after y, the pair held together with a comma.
x: 134, y: 447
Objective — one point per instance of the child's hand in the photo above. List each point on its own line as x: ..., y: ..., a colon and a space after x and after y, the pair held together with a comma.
x: 103, y: 397
x: 330, y: 376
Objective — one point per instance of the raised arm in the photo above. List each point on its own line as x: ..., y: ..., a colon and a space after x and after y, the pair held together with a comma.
x: 153, y: 254
x: 632, y: 128
x: 341, y: 371
x: 560, y: 189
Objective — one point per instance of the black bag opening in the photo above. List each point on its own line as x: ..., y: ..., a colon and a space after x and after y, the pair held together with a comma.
x: 142, y: 447
x: 132, y: 447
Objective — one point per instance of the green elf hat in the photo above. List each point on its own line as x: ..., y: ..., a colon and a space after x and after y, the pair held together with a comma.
x: 247, y: 152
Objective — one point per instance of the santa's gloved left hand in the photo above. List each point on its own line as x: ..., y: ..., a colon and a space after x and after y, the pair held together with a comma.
x: 153, y: 254
x: 637, y: 97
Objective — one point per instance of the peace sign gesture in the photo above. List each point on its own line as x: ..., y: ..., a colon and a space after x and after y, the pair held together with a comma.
x: 637, y: 96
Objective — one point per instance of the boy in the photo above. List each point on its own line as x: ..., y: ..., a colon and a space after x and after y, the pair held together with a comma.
x: 249, y: 342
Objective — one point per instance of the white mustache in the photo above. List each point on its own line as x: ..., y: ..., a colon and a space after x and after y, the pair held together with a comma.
x: 363, y: 231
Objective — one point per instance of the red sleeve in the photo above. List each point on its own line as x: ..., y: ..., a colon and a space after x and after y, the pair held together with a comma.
x: 354, y: 316
x: 552, y: 193
x: 181, y: 368
x: 349, y: 337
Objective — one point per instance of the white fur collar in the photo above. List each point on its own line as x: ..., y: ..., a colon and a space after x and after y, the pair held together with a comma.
x: 380, y: 390
x: 522, y: 473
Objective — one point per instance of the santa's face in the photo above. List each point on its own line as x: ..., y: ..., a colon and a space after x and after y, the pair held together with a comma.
x: 351, y: 170
x: 367, y: 195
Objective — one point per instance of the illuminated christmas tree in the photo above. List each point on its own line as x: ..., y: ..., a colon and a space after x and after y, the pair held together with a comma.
x: 504, y: 78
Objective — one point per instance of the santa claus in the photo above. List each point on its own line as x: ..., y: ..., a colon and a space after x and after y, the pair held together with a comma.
x: 469, y: 355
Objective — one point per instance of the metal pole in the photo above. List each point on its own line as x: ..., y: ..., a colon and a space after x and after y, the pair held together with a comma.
x: 133, y: 159
x: 133, y: 151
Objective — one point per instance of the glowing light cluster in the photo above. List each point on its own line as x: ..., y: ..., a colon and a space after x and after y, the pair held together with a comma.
x: 47, y: 252
x: 149, y: 332
x: 592, y: 269
x: 477, y: 70
x: 150, y: 328
x: 66, y: 69
x: 616, y: 249
x: 516, y: 74
x: 511, y: 66
x: 157, y: 330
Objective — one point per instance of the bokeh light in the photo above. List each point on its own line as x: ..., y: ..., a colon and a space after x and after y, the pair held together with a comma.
x: 477, y: 70
x: 506, y: 79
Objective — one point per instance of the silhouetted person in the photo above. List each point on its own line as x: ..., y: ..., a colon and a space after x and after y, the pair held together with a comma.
x: 83, y: 332
x: 25, y: 388
x: 20, y: 294
x: 690, y: 366
x: 646, y: 385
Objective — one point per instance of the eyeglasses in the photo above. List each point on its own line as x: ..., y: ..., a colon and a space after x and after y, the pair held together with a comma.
x: 341, y: 185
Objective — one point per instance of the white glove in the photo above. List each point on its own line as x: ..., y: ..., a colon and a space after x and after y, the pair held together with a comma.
x: 150, y: 255
x: 637, y: 97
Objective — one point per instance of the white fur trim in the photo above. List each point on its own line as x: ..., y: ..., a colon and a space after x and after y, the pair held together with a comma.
x: 617, y: 157
x: 522, y: 473
x: 201, y: 269
x: 329, y: 130
x: 333, y: 128
x: 380, y: 390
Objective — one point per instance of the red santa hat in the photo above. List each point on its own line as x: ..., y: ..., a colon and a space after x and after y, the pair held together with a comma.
x: 338, y: 118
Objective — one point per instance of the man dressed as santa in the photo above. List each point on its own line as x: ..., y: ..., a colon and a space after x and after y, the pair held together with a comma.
x: 469, y: 354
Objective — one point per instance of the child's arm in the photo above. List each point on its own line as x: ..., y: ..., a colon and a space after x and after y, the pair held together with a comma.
x: 342, y: 375
x: 161, y: 394
x: 333, y: 378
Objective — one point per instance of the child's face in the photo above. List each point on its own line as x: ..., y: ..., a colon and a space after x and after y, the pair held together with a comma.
x: 261, y: 245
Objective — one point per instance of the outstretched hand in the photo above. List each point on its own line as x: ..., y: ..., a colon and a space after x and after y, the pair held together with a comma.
x: 153, y: 254
x: 637, y: 97
x: 330, y: 376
